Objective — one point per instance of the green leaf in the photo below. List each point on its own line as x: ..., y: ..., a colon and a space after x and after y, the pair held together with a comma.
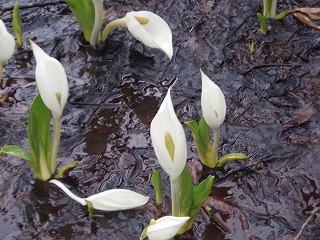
x: 186, y: 192
x: 201, y: 135
x: 283, y: 14
x: 16, y: 24
x: 39, y: 137
x: 85, y: 14
x: 90, y: 209
x: 16, y: 151
x: 144, y: 233
x: 157, y: 184
x: 231, y: 157
x: 263, y: 23
x: 201, y: 193
x: 66, y: 169
x: 91, y: 214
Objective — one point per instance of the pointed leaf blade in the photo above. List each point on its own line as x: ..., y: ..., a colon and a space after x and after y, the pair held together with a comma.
x: 186, y: 192
x: 16, y: 151
x: 16, y: 24
x: 84, y: 12
x: 157, y: 184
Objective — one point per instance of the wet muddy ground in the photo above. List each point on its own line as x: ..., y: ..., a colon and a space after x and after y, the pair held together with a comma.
x: 273, y: 116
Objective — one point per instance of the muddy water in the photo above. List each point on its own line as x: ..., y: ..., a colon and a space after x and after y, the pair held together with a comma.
x: 273, y: 102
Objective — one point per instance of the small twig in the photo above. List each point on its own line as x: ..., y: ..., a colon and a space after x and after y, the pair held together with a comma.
x: 272, y: 65
x: 312, y: 213
x: 196, y: 25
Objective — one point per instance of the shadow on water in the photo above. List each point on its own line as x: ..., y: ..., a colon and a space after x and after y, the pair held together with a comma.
x: 272, y: 99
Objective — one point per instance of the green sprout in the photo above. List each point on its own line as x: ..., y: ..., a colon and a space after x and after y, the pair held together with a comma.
x: 157, y: 184
x: 251, y: 47
x: 16, y: 24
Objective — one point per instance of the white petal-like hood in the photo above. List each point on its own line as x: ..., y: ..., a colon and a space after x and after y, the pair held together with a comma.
x: 155, y: 33
x: 117, y: 199
x: 7, y: 44
x: 166, y: 227
x: 110, y: 200
x: 166, y: 121
x: 213, y: 103
x: 51, y: 80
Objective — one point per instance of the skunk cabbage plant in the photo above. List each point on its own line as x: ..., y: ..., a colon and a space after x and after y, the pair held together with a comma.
x: 53, y: 87
x: 213, y: 106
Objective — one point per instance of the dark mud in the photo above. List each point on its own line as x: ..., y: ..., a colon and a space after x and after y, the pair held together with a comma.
x: 273, y: 115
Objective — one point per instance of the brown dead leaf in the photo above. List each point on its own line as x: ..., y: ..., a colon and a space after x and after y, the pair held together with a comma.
x: 301, y: 116
x: 226, y: 214
x: 307, y: 16
x: 195, y: 168
x: 306, y: 20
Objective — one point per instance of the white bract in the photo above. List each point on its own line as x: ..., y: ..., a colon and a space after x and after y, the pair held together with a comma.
x: 110, y: 200
x: 7, y: 44
x: 213, y: 103
x: 151, y: 30
x: 168, y: 139
x: 51, y: 81
x: 166, y: 227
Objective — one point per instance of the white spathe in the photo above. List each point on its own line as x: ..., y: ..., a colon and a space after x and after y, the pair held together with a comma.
x: 110, y: 200
x: 7, y: 44
x: 166, y: 227
x: 166, y: 121
x: 155, y: 33
x: 51, y: 81
x: 213, y: 103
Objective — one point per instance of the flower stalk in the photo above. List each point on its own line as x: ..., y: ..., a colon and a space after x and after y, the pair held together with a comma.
x: 110, y: 26
x: 175, y: 199
x: 98, y: 21
x: 55, y: 143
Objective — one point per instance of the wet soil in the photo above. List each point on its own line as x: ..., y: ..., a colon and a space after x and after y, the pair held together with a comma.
x: 273, y: 117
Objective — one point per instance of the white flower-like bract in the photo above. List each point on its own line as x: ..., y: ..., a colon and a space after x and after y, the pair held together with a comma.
x: 213, y: 103
x: 51, y: 81
x: 147, y: 27
x: 166, y: 123
x: 7, y: 45
x: 169, y: 143
x: 166, y: 227
x: 110, y: 200
x: 154, y: 32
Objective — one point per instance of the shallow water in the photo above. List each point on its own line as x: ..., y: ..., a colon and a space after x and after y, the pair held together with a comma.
x: 272, y: 116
